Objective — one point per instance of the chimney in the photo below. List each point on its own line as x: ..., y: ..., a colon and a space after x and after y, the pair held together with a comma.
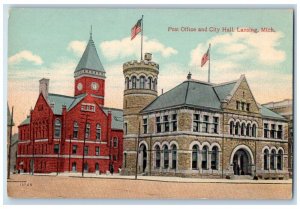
x: 44, y: 87
x: 148, y: 56
x: 189, y: 76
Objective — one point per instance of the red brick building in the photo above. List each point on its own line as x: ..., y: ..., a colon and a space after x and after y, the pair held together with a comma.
x: 66, y: 133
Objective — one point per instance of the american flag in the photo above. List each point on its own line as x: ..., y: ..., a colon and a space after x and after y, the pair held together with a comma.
x: 136, y: 29
x: 205, y: 57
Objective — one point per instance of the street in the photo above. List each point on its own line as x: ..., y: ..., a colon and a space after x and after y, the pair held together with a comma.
x: 27, y: 186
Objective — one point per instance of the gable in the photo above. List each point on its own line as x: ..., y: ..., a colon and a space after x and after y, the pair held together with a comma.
x: 242, y: 93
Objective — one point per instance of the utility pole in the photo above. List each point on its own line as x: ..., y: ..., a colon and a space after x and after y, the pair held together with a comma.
x: 137, y: 152
x: 9, y: 143
x: 70, y: 154
x: 82, y: 172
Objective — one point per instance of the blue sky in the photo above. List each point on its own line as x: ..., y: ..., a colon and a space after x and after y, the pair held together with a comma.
x: 49, y: 43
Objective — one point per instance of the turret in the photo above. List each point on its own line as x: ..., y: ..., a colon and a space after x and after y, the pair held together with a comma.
x: 140, y: 89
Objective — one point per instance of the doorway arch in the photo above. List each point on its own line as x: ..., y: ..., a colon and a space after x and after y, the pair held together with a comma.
x: 143, y: 157
x: 242, y: 160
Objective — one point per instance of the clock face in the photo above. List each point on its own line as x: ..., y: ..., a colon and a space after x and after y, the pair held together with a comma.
x: 79, y: 86
x: 94, y: 85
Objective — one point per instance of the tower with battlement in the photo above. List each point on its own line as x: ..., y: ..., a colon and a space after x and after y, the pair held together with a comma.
x: 140, y: 90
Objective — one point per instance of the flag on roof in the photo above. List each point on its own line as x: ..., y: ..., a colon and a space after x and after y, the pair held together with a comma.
x: 136, y: 29
x: 205, y: 57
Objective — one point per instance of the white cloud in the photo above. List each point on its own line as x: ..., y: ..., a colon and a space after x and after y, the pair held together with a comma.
x: 25, y: 55
x: 77, y: 47
x: 237, y: 47
x: 125, y: 47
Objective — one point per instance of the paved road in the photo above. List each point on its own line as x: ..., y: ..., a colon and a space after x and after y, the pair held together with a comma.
x: 26, y: 186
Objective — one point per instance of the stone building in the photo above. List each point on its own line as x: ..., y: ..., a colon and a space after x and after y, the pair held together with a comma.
x: 199, y: 129
x: 285, y: 108
x: 73, y: 133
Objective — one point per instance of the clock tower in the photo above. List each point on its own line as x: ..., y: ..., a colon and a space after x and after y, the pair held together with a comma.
x: 89, y: 74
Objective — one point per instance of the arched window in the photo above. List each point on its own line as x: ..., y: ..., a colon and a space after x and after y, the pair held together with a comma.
x: 266, y: 159
x: 166, y: 156
x: 157, y: 156
x: 204, y: 157
x: 57, y: 128
x: 195, y: 157
x: 87, y: 130
x: 237, y: 125
x: 150, y: 83
x: 248, y: 130
x: 97, y: 167
x: 98, y: 132
x: 75, y: 130
x: 154, y: 84
x: 243, y: 129
x: 214, y: 158
x: 115, y: 142
x: 74, y: 167
x: 133, y: 80
x: 254, y: 130
x: 272, y: 159
x: 86, y: 167
x: 231, y: 127
x: 142, y: 82
x: 174, y: 156
x: 126, y: 83
x: 280, y: 160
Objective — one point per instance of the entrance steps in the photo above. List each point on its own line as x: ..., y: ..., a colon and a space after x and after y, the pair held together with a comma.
x: 239, y: 177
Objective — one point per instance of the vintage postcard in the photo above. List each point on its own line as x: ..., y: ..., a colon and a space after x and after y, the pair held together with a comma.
x: 124, y: 103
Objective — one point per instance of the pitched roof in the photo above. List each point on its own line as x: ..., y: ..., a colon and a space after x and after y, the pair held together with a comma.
x: 60, y: 100
x: 189, y: 93
x: 90, y: 59
x: 117, y: 117
x: 224, y: 90
x: 199, y: 94
x: 26, y: 121
x: 267, y: 113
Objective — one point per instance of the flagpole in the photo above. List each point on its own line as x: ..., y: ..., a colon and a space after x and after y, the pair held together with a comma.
x: 142, y: 38
x: 209, y: 64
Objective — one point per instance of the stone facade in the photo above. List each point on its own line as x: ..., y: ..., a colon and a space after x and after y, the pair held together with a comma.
x: 190, y: 141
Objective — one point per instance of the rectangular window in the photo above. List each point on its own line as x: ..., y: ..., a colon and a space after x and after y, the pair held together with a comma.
x: 174, y: 122
x: 237, y: 105
x: 243, y: 106
x: 97, y: 153
x: 158, y: 125
x: 166, y: 123
x: 215, y: 125
x: 196, y: 123
x: 145, y: 126
x: 272, y: 133
x: 279, y: 132
x: 74, y: 149
x: 86, y: 150
x: 205, y: 124
x: 56, y: 148
x: 115, y: 142
x: 115, y: 158
x: 248, y: 107
x: 266, y: 130
x: 125, y: 128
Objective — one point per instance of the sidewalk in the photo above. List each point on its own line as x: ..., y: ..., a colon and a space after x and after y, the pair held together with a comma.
x: 168, y: 179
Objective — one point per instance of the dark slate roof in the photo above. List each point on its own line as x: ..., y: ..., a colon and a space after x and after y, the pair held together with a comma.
x: 90, y: 59
x: 26, y: 121
x: 60, y: 100
x: 117, y: 117
x: 189, y: 93
x: 9, y: 117
x: 266, y: 112
x: 223, y: 90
